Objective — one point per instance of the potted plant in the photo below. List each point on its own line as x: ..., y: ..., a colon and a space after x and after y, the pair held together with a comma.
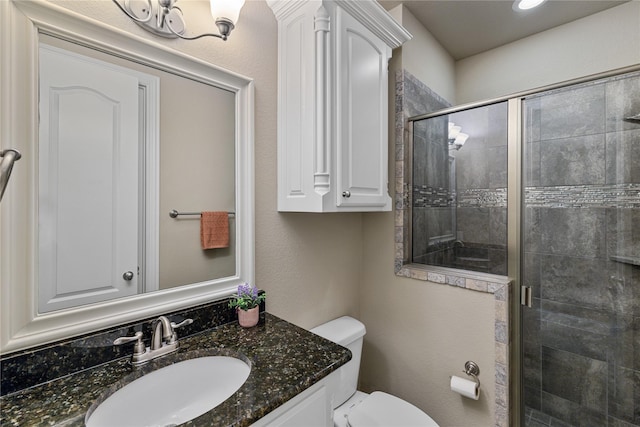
x: 247, y: 304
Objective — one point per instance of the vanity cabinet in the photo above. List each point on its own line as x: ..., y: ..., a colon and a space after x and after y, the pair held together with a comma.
x: 333, y: 104
x: 311, y: 408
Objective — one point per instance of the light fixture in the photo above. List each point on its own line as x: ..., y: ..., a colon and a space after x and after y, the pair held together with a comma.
x: 164, y: 18
x: 460, y: 140
x: 519, y: 5
x: 455, y: 137
x: 453, y: 130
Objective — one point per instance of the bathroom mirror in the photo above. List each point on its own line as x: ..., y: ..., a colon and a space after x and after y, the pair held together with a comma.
x: 110, y: 176
x: 201, y: 160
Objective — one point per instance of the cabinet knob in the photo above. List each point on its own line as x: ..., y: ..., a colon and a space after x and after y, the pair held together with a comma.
x: 346, y: 194
x: 128, y: 276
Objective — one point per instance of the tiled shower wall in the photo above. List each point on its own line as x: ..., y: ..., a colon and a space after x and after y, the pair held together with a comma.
x: 582, y: 255
x: 481, y: 186
x: 431, y: 193
x: 460, y: 195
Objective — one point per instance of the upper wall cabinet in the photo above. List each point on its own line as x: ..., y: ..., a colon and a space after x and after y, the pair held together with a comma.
x: 333, y: 104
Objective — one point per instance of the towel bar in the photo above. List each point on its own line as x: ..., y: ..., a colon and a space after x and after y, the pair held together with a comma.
x: 174, y: 213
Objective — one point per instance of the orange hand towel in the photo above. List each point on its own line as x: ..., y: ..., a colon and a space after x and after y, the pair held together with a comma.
x: 214, y: 230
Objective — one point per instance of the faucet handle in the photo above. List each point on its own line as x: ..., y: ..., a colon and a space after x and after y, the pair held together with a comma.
x: 174, y: 336
x: 185, y: 322
x: 138, y: 349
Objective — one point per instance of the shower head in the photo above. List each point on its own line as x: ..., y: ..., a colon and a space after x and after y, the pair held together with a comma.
x: 632, y: 119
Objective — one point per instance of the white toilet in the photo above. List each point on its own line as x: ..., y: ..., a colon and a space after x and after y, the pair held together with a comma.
x: 354, y: 408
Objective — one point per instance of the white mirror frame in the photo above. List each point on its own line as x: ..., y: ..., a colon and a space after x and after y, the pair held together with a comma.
x: 21, y: 326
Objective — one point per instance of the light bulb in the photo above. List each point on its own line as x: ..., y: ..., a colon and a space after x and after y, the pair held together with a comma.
x: 454, y: 131
x: 461, y: 138
x: 527, y: 4
x: 227, y: 9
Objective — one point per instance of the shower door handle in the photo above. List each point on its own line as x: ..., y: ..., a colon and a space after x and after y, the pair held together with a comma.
x: 526, y: 296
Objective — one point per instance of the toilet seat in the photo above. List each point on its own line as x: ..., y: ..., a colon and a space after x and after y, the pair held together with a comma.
x: 384, y: 410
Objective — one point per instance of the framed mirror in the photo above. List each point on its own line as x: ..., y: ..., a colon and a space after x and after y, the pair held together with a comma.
x: 192, y: 151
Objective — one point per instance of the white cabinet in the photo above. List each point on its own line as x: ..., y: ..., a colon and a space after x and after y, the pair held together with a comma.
x: 333, y: 104
x: 311, y: 408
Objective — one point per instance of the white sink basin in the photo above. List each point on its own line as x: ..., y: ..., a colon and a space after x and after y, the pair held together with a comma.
x: 174, y: 394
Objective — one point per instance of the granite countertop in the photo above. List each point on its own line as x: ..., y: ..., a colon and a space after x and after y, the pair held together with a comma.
x: 285, y: 360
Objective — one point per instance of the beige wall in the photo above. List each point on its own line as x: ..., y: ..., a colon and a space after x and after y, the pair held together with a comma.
x: 197, y: 173
x: 597, y: 43
x: 419, y: 333
x: 425, y: 58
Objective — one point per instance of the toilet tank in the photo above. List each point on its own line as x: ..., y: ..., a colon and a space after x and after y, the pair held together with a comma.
x: 348, y: 332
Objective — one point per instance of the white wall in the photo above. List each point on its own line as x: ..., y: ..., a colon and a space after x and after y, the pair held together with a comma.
x: 597, y: 43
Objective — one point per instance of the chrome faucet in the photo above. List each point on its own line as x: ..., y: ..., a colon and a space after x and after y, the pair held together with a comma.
x: 162, y: 333
x: 164, y: 340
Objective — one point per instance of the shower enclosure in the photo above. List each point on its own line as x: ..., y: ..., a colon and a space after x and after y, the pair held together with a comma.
x: 572, y: 243
x: 459, y: 211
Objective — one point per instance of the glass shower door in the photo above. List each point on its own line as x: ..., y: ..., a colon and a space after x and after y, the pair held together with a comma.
x: 581, y: 254
x: 459, y: 184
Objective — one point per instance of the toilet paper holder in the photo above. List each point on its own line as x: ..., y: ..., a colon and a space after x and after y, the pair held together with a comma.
x: 472, y: 369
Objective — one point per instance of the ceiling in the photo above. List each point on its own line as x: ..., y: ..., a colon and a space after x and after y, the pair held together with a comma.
x: 468, y: 27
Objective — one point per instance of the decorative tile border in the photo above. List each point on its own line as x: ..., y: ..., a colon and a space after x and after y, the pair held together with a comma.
x: 432, y: 197
x: 409, y: 93
x: 584, y: 196
x: 438, y: 197
x: 483, y: 198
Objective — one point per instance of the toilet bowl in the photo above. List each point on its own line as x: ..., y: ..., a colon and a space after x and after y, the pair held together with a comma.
x: 353, y: 408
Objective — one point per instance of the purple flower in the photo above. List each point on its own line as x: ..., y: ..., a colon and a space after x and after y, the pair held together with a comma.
x: 247, y: 297
x: 244, y: 290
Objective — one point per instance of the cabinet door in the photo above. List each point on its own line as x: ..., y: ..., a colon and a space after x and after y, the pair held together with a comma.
x: 362, y: 120
x: 310, y: 408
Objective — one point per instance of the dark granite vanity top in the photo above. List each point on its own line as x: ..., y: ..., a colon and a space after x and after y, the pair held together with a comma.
x: 284, y: 360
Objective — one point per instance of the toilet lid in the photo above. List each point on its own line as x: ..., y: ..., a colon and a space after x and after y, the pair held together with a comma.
x: 384, y: 410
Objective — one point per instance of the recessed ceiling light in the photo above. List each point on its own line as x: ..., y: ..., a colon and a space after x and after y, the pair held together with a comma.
x: 526, y: 4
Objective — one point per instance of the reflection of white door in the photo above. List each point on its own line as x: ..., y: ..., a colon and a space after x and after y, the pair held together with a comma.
x: 88, y: 228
